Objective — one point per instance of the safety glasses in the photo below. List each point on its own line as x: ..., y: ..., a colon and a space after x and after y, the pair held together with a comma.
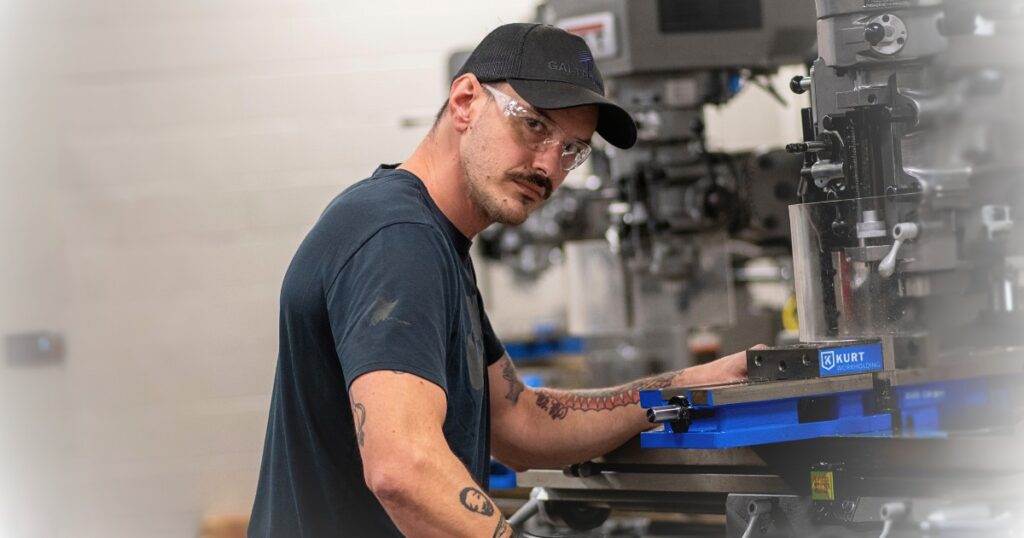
x: 539, y: 133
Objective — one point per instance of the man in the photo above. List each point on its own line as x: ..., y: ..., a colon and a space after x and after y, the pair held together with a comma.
x: 392, y: 390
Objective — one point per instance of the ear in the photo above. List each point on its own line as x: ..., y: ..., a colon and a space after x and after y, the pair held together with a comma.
x: 464, y: 92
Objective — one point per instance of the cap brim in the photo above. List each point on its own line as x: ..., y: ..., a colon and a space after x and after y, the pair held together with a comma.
x: 614, y: 124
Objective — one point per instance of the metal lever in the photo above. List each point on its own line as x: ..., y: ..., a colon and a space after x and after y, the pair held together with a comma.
x: 677, y: 413
x: 664, y: 413
x: 812, y: 146
x: 901, y: 233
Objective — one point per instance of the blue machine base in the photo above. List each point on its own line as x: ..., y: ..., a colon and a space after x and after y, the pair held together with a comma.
x: 756, y: 423
x: 767, y: 434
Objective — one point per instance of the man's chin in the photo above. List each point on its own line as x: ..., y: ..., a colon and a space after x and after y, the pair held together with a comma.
x: 511, y: 216
x: 512, y: 219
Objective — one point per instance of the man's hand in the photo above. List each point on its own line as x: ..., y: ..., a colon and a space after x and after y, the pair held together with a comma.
x: 728, y: 369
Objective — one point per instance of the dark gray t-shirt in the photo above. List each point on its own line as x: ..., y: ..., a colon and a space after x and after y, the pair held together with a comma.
x: 383, y: 281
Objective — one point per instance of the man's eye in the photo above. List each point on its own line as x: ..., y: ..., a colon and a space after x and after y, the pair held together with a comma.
x: 536, y: 125
x: 573, y: 148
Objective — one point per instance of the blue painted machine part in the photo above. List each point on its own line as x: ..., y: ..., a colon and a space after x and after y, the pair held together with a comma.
x: 501, y: 476
x: 735, y: 83
x: 763, y: 422
x: 532, y: 380
x: 546, y: 348
x: 925, y: 410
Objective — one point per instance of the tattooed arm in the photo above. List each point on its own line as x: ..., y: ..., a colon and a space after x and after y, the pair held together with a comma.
x: 407, y: 464
x: 552, y: 427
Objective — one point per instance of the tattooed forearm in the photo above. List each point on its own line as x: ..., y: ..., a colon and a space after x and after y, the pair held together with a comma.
x: 515, y: 386
x: 359, y: 412
x: 550, y: 403
x: 503, y: 530
x: 559, y: 403
x: 476, y: 501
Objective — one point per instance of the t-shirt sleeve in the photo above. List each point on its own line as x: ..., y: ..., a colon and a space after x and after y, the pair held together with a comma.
x: 390, y: 305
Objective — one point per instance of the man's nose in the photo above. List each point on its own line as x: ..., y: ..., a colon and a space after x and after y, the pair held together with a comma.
x: 547, y: 161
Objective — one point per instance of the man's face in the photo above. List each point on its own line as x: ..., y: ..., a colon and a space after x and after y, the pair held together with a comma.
x: 506, y: 178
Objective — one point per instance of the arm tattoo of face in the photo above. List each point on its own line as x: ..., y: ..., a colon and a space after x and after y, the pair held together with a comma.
x: 475, y: 501
x: 558, y: 404
x: 359, y: 412
x: 503, y: 530
x: 515, y: 386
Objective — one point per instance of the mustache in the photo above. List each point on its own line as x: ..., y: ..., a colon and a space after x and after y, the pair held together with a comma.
x: 536, y: 179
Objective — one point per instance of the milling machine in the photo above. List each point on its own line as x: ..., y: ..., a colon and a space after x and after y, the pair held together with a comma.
x: 898, y: 413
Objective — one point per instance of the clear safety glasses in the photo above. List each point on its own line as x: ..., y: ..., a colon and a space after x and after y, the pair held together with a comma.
x: 538, y: 133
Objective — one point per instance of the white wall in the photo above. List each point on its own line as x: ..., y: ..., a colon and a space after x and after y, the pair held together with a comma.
x: 160, y: 160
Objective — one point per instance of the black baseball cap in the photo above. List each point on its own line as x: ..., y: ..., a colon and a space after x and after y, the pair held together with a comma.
x: 551, y: 69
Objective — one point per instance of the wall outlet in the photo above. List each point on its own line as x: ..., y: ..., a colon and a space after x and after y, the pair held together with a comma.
x: 35, y: 348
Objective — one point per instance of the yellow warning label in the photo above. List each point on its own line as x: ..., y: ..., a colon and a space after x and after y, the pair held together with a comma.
x: 822, y: 486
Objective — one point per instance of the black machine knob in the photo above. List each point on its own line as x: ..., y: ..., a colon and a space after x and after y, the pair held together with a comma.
x: 800, y: 84
x: 874, y: 33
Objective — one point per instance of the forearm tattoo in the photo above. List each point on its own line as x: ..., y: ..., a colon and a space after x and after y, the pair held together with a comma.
x: 359, y: 412
x: 476, y: 501
x: 515, y: 386
x: 558, y: 403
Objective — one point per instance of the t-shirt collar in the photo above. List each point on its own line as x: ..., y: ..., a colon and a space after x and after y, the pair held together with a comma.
x: 461, y: 242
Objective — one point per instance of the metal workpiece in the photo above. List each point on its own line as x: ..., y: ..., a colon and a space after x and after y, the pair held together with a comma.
x: 820, y: 359
x: 775, y: 390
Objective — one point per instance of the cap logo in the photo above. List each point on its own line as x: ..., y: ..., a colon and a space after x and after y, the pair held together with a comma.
x: 584, y: 66
x: 587, y: 62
